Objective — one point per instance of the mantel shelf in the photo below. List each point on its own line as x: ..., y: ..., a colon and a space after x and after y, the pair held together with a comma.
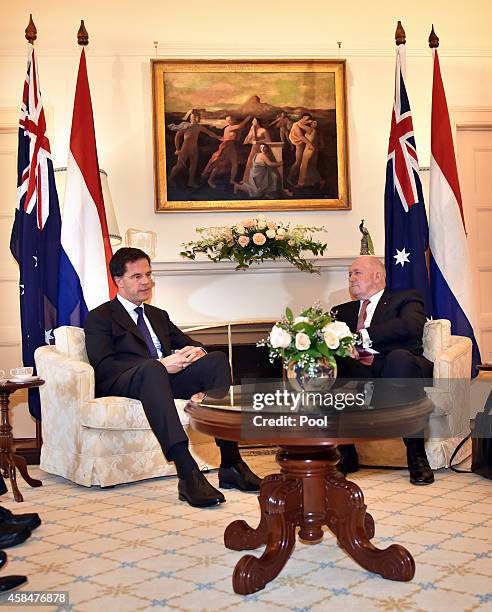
x: 176, y: 267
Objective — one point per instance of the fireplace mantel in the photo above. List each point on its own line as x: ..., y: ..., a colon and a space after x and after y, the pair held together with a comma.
x: 178, y: 267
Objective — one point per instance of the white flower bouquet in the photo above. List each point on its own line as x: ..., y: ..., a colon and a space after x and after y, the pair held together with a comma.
x: 306, y: 340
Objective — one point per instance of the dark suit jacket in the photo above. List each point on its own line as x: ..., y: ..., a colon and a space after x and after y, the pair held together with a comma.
x: 115, y: 344
x: 397, y: 323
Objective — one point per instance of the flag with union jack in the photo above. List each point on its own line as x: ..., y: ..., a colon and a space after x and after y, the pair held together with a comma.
x: 405, y: 220
x: 35, y: 239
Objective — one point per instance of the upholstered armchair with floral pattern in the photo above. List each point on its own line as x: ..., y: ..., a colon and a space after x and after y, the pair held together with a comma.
x: 99, y: 441
x: 450, y: 421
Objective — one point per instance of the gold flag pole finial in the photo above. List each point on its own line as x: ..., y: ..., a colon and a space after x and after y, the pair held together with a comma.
x: 400, y: 37
x: 31, y: 32
x: 433, y: 39
x: 82, y: 35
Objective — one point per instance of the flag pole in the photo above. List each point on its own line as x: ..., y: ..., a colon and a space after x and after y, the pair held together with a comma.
x: 400, y: 36
x: 433, y: 39
x: 31, y: 33
x: 82, y: 35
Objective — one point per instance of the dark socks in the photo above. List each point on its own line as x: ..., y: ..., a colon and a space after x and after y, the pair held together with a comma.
x: 185, y: 464
x: 229, y: 453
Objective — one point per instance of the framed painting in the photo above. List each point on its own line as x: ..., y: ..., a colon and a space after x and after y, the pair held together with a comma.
x: 250, y: 135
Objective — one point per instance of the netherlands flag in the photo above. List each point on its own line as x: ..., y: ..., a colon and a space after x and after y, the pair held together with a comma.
x: 84, y: 279
x: 450, y: 271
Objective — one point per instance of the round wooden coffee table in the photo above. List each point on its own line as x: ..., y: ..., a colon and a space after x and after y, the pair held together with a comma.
x: 309, y: 492
x: 8, y: 459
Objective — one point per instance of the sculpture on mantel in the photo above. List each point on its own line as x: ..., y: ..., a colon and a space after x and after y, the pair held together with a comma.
x: 366, y: 246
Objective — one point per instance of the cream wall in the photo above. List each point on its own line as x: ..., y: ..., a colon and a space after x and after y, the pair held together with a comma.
x: 122, y: 35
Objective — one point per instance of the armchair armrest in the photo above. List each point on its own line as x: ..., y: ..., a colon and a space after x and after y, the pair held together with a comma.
x: 69, y: 382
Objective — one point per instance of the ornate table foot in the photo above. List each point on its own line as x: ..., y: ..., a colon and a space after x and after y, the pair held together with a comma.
x: 240, y: 536
x: 12, y: 476
x: 280, y: 501
x: 21, y: 465
x: 347, y: 518
x: 369, y: 526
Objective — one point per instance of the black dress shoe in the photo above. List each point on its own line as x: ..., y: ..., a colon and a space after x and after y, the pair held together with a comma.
x: 7, y: 583
x: 420, y: 471
x: 349, y: 461
x: 11, y: 535
x: 198, y: 492
x: 239, y: 476
x: 30, y: 520
x: 3, y: 558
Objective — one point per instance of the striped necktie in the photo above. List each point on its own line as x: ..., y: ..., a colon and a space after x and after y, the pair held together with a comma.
x: 365, y: 357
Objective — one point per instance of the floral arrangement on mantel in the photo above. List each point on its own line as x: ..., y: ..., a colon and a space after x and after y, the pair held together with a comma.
x: 306, y: 340
x: 255, y: 240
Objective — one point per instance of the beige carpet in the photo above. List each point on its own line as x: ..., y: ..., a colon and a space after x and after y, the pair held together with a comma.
x: 136, y: 547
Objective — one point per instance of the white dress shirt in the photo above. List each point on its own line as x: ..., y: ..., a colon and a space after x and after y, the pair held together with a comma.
x: 371, y: 307
x: 130, y: 308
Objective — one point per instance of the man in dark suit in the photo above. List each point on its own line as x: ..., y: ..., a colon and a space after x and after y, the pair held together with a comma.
x: 136, y: 351
x: 389, y: 328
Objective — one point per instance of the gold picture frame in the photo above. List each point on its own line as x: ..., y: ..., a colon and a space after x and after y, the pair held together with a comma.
x: 250, y: 135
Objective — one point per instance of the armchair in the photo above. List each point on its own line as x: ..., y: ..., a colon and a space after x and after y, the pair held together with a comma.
x: 99, y: 441
x: 450, y: 421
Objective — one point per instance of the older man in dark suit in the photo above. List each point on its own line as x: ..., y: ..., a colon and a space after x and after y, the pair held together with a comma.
x: 136, y: 351
x: 389, y: 328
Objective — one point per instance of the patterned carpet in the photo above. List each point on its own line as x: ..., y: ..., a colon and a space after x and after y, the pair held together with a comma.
x: 136, y: 547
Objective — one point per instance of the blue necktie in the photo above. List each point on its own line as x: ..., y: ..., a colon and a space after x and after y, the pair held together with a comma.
x: 142, y: 326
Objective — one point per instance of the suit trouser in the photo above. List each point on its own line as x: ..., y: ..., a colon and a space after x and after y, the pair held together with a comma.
x: 399, y: 363
x: 150, y: 383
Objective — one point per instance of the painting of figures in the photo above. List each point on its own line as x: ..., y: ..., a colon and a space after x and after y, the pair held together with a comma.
x: 250, y: 135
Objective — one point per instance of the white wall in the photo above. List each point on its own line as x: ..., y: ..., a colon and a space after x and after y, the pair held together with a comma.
x: 122, y: 35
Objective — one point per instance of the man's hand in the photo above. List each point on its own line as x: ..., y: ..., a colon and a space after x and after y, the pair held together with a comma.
x: 182, y: 358
x: 191, y: 353
x: 175, y: 363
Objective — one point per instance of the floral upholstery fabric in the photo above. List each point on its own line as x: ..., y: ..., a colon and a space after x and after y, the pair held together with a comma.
x: 99, y: 441
x: 450, y: 421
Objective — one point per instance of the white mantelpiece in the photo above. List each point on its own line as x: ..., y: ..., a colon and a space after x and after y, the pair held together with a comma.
x: 201, y: 291
x: 205, y: 266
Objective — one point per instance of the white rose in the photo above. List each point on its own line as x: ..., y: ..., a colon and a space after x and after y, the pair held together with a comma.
x: 262, y: 224
x: 331, y: 339
x: 270, y: 233
x: 279, y: 338
x: 301, y: 320
x: 280, y: 231
x: 339, y: 328
x: 302, y: 341
x: 240, y: 229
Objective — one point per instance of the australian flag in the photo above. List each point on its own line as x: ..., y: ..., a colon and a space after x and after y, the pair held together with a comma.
x: 35, y: 240
x: 405, y: 220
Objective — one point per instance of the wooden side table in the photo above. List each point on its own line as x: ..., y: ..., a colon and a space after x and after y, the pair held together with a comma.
x: 9, y: 460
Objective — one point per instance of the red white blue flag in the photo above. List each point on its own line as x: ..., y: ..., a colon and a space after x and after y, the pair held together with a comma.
x: 406, y: 229
x: 85, y: 281
x: 450, y: 271
x: 35, y: 239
